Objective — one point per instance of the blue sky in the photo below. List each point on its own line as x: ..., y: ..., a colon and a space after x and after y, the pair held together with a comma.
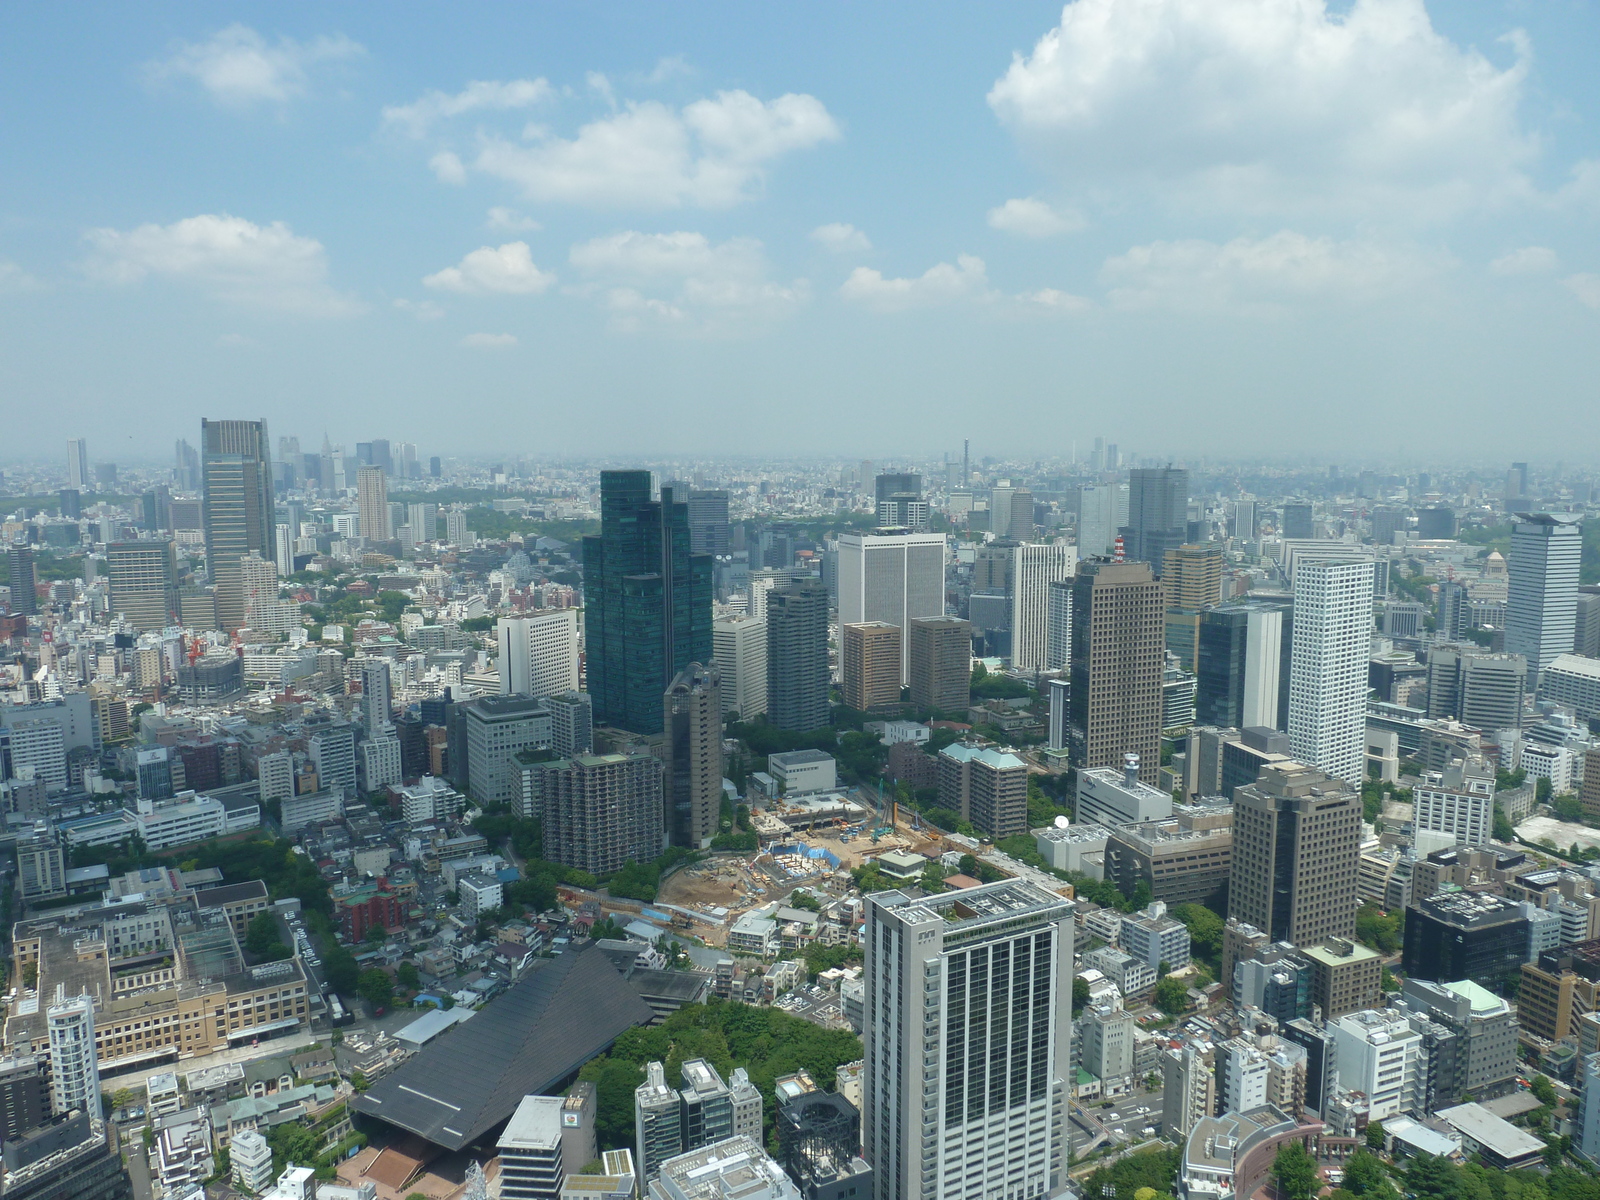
x: 1194, y: 226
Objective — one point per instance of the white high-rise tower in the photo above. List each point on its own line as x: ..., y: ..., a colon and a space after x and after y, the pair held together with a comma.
x: 74, y: 1064
x: 1542, y: 595
x: 1033, y: 569
x: 538, y: 653
x: 968, y: 1033
x: 891, y: 576
x: 1328, y: 666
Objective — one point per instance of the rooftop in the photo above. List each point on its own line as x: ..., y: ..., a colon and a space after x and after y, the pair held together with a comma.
x: 536, y: 1125
x: 1499, y: 1136
x: 999, y: 760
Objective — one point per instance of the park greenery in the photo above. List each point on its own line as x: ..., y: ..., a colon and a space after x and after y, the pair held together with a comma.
x: 766, y: 1042
x: 1156, y: 1170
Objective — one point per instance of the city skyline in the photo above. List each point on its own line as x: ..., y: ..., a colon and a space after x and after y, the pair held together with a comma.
x: 326, y: 219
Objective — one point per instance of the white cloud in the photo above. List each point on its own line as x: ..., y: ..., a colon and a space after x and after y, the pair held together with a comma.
x: 420, y: 116
x: 504, y: 270
x: 1586, y: 287
x: 1530, y: 260
x: 939, y: 284
x: 711, y: 154
x: 1259, y: 275
x: 422, y: 310
x: 239, y: 67
x: 447, y: 167
x: 1033, y: 218
x: 14, y: 279
x: 1272, y: 105
x: 841, y: 238
x: 489, y: 341
x: 267, y: 266
x: 1053, y: 300
x: 672, y: 66
x: 682, y: 279
x: 511, y: 220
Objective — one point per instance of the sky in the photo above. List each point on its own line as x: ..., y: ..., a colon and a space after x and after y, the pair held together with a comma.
x: 1252, y: 227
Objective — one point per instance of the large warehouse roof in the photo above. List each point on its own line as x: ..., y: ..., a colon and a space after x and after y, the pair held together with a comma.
x: 526, y: 1042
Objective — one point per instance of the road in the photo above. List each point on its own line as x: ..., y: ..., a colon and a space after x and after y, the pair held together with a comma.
x: 1124, y: 1120
x: 139, y: 1169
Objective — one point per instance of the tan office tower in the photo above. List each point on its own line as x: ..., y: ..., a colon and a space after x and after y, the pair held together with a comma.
x: 372, y: 502
x: 939, y: 655
x: 1118, y: 644
x: 143, y: 585
x: 869, y: 665
x: 1296, y: 854
x: 236, y: 507
x: 692, y: 751
x: 1193, y: 576
x: 1589, y: 796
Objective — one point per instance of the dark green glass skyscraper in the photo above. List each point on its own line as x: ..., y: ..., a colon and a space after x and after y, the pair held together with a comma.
x: 647, y: 600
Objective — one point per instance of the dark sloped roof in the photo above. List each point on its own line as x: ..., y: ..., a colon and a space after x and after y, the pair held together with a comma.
x: 524, y: 1043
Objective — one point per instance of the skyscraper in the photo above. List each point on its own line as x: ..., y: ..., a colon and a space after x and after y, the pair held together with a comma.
x: 1332, y: 642
x: 1058, y: 624
x: 1158, y: 514
x: 1034, y: 568
x: 597, y: 811
x: 372, y: 502
x: 797, y: 657
x: 1193, y: 576
x: 1297, y: 521
x: 648, y: 601
x: 1019, y: 519
x: 1118, y: 643
x: 890, y: 576
x: 24, y: 579
x: 1242, y: 680
x: 980, y: 980
x: 900, y: 502
x: 236, y: 486
x: 740, y: 649
x: 708, y: 521
x: 538, y: 653
x: 1542, y: 596
x: 143, y: 583
x: 1296, y: 852
x: 1102, y: 510
x: 940, y: 655
x: 377, y: 703
x: 78, y: 465
x: 692, y: 723
x: 869, y: 665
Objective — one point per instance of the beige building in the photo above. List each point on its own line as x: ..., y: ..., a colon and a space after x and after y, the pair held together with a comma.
x: 1192, y: 576
x: 143, y: 583
x: 869, y: 665
x: 1345, y: 977
x: 1118, y: 656
x: 939, y: 658
x: 1296, y: 855
x: 372, y: 503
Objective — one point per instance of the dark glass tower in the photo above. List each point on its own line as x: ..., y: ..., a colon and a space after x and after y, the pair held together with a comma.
x: 236, y: 489
x: 648, y: 601
x: 797, y: 657
x: 1158, y: 514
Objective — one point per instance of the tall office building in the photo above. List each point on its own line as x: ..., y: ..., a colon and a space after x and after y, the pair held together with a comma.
x: 1297, y: 521
x: 571, y: 723
x: 1242, y: 679
x: 1542, y: 595
x: 1476, y: 687
x: 1193, y: 576
x: 24, y: 1095
x: 78, y: 465
x: 1058, y: 691
x: 891, y: 575
x: 692, y: 724
x: 143, y: 583
x: 424, y: 522
x: 985, y: 786
x: 24, y: 577
x: 258, y: 583
x: 869, y: 665
x: 1243, y: 522
x: 74, y: 1061
x: 333, y: 752
x: 372, y: 503
x: 1058, y: 624
x: 1019, y: 524
x: 900, y: 502
x: 1034, y: 569
x: 236, y: 508
x: 1102, y: 510
x: 597, y: 811
x: 797, y: 657
x: 739, y: 646
x: 940, y: 655
x: 981, y: 981
x: 1296, y: 853
x: 1458, y: 801
x: 1158, y: 514
x: 1118, y: 658
x: 709, y: 532
x: 1332, y: 643
x: 648, y: 601
x: 455, y: 528
x: 538, y: 652
x: 377, y: 702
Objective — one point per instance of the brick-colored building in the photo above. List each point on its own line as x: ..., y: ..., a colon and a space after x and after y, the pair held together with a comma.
x: 373, y: 906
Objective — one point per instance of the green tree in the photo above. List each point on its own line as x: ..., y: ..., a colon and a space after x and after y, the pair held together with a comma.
x: 1364, y: 1175
x: 1172, y: 996
x: 1205, y: 928
x: 407, y: 976
x: 1375, y: 1135
x: 339, y: 965
x: 376, y: 987
x: 1295, y: 1172
x: 1543, y: 1090
x: 1122, y: 1180
x: 1080, y: 994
